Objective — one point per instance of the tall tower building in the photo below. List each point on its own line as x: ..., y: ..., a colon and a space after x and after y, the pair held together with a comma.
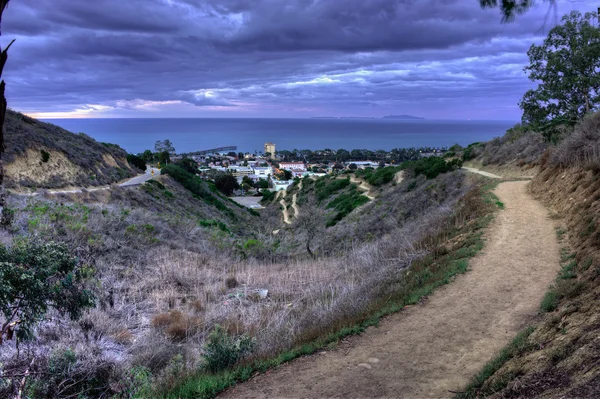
x: 270, y: 148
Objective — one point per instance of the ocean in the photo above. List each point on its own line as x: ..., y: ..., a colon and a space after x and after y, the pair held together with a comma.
x: 249, y: 135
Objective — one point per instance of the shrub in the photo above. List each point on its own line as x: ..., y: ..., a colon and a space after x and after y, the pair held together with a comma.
x: 326, y: 187
x: 222, y: 351
x: 550, y: 301
x: 582, y: 147
x: 231, y: 282
x: 431, y: 167
x: 45, y: 156
x: 136, y: 161
x: 36, y: 276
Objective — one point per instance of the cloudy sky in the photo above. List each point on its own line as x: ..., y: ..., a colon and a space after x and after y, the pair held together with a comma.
x: 269, y: 58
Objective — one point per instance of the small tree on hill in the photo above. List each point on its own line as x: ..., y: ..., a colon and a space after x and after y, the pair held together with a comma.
x: 35, y: 276
x: 567, y: 65
x: 226, y: 183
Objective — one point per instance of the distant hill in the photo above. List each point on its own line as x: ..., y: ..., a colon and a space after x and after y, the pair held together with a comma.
x: 410, y: 117
x: 43, y: 155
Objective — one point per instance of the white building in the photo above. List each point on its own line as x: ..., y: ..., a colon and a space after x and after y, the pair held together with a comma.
x: 241, y: 170
x: 293, y: 166
x: 280, y: 185
x: 263, y: 172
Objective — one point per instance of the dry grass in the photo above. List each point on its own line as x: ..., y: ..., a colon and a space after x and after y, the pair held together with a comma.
x: 161, y: 290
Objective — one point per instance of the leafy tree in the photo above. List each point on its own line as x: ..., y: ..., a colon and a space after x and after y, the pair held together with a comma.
x: 261, y: 183
x: 285, y: 175
x: 511, y: 8
x: 147, y: 156
x: 35, y: 276
x: 164, y: 157
x: 164, y: 146
x: 136, y: 161
x: 567, y: 65
x: 352, y: 166
x: 226, y: 183
x: 188, y: 164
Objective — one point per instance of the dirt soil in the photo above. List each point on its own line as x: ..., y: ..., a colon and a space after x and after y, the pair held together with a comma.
x: 430, y: 349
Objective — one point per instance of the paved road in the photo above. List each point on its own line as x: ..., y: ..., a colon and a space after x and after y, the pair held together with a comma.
x: 141, y: 178
x: 135, y: 181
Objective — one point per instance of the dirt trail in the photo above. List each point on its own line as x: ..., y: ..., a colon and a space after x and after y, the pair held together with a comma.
x: 286, y: 214
x: 428, y: 349
x: 295, y: 201
x: 364, y: 187
x: 481, y: 172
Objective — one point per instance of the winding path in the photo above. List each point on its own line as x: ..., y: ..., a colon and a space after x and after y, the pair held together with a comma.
x: 134, y: 181
x: 427, y: 350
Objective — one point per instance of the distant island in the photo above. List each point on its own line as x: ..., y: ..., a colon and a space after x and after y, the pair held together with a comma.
x: 402, y: 117
x: 405, y: 117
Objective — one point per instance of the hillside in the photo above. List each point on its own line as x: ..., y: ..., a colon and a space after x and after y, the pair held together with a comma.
x: 558, y: 353
x: 42, y: 155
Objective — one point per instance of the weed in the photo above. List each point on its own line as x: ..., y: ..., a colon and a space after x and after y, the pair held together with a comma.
x: 550, y: 301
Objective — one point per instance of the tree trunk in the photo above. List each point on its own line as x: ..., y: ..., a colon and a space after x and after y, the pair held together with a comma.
x: 3, y: 105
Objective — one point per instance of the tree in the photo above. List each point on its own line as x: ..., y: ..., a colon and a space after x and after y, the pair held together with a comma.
x: 188, y: 164
x: 147, y: 156
x: 35, y: 276
x: 311, y: 221
x: 164, y: 157
x: 226, y: 183
x: 164, y: 146
x: 261, y: 183
x: 352, y: 166
x: 136, y: 161
x: 511, y: 8
x: 285, y: 175
x: 3, y: 105
x: 567, y: 65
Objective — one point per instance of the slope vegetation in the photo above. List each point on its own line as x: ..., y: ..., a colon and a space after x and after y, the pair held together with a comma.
x: 42, y: 155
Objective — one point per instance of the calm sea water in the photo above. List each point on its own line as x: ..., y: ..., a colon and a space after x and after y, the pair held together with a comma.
x: 187, y: 135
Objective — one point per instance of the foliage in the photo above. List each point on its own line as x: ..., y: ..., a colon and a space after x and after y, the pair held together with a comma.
x: 431, y: 167
x: 222, y: 351
x: 267, y: 196
x: 45, y: 156
x: 346, y: 203
x: 136, y: 161
x: 188, y: 165
x: 226, y: 183
x: 567, y: 65
x: 164, y: 146
x: 510, y: 8
x: 164, y: 157
x: 285, y: 175
x: 196, y: 186
x: 326, y: 187
x: 35, y: 276
x: 378, y: 177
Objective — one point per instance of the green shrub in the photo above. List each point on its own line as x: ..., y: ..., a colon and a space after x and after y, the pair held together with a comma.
x: 346, y: 203
x: 45, y: 156
x: 136, y: 161
x: 222, y: 351
x: 431, y: 167
x: 382, y: 176
x: 326, y: 187
x: 550, y: 301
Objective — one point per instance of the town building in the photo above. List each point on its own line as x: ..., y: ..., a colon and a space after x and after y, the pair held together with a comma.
x: 270, y: 148
x: 280, y: 185
x: 263, y: 172
x: 293, y: 166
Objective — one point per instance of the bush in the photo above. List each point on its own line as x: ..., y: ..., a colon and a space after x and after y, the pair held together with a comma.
x: 136, y: 161
x: 582, y: 147
x: 45, y: 156
x: 550, y: 301
x: 35, y: 276
x: 326, y: 187
x: 431, y: 167
x: 267, y: 196
x: 222, y: 351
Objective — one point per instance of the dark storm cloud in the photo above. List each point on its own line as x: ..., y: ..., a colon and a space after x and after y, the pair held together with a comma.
x: 263, y: 57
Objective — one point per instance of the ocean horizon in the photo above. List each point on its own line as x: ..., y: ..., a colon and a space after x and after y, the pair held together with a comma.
x: 249, y: 134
